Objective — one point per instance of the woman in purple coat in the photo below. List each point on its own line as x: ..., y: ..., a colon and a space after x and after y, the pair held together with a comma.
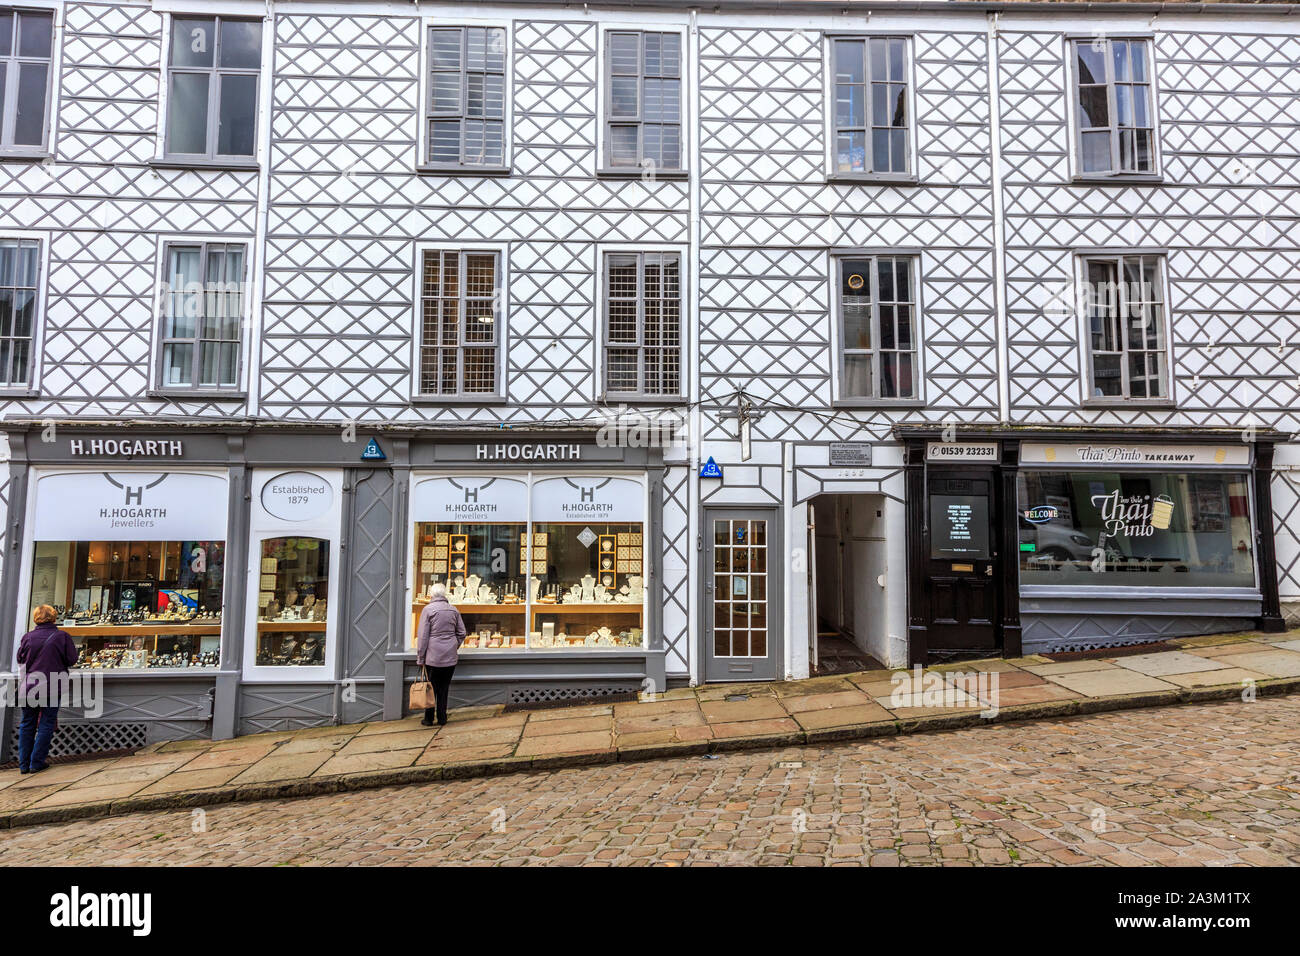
x: 439, y: 636
x: 45, y: 655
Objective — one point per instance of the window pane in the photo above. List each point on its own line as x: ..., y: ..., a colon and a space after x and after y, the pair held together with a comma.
x: 851, y: 152
x: 1144, y: 155
x: 35, y: 34
x: 187, y: 116
x: 6, y: 312
x: 895, y: 375
x: 848, y: 61
x: 444, y: 49
x: 1092, y: 62
x: 880, y: 150
x: 8, y: 261
x: 1138, y: 61
x: 879, y: 61
x: 624, y: 53
x: 1096, y: 152
x: 480, y: 370
x: 1107, y: 379
x: 238, y: 115
x: 1124, y: 105
x: 444, y: 96
x: 1094, y: 107
x: 896, y: 61
x: 183, y: 292
x: 857, y: 376
x: 29, y: 125
x: 622, y: 370
x: 18, y: 369
x: 444, y: 141
x: 485, y: 96
x: 897, y: 150
x: 484, y: 143
x: 192, y: 41
x: 1119, y: 57
x: 623, y: 146
x: 241, y: 44
x: 850, y: 106
x: 6, y: 33
x: 178, y: 361
x: 28, y: 264
x: 623, y: 96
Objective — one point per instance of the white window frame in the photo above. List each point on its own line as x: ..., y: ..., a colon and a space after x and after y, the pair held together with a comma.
x: 233, y: 10
x: 251, y: 274
x: 600, y: 393
x: 34, y: 366
x: 600, y: 166
x: 502, y: 252
x: 834, y: 260
x: 910, y: 174
x: 1071, y: 68
x: 423, y: 162
x: 8, y: 107
x: 1081, y: 258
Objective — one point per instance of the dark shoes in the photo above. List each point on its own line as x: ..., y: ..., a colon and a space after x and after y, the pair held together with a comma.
x: 43, y: 766
x: 442, y: 722
x: 426, y: 723
x: 23, y: 770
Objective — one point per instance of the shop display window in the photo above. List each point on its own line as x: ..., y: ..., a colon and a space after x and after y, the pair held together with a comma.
x: 539, y: 585
x: 134, y: 604
x: 1135, y: 529
x: 292, y: 599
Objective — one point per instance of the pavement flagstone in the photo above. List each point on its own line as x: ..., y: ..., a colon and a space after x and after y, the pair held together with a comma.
x: 714, y: 718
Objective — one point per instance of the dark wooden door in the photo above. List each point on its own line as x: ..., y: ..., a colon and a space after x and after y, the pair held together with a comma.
x: 962, y: 564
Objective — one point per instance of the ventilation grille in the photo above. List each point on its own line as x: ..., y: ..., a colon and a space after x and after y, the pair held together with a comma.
x: 552, y: 696
x: 91, y: 737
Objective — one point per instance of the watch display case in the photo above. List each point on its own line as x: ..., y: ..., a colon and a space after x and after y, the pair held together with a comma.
x: 134, y: 605
x: 292, y: 602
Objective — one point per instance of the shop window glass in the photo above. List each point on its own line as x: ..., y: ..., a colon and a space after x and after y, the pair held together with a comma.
x: 292, y: 602
x: 135, y: 604
x: 591, y: 585
x: 1135, y: 529
x: 482, y: 567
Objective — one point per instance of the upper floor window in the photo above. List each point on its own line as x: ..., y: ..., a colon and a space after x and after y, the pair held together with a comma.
x: 877, y: 327
x: 1124, y: 302
x: 871, y: 109
x: 1115, y: 114
x: 19, y: 268
x: 212, y: 76
x: 643, y: 324
x: 643, y: 110
x: 465, y: 122
x: 26, y: 55
x: 460, y: 338
x: 203, y: 316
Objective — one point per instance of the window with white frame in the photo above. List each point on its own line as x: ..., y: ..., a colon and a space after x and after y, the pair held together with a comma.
x: 203, y: 315
x: 1114, y: 111
x: 26, y: 60
x: 212, y: 76
x: 20, y: 266
x: 1123, y: 301
x: 643, y: 324
x: 871, y: 111
x: 466, y: 112
x: 460, y: 335
x: 877, y: 324
x: 643, y: 111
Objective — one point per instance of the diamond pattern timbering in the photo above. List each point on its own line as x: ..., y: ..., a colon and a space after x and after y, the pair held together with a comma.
x: 1286, y: 529
x: 347, y: 209
x: 369, y: 576
x: 676, y: 577
x: 1233, y: 240
x: 768, y: 218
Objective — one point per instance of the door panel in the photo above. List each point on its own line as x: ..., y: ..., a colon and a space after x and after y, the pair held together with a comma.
x: 962, y: 564
x: 741, y: 606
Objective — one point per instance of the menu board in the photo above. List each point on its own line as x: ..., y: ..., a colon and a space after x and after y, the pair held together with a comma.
x: 959, y: 526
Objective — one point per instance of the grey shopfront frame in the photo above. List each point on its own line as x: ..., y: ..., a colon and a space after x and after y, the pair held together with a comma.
x: 373, y: 663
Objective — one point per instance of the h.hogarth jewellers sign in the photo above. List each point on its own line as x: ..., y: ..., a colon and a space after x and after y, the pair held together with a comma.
x: 126, y: 447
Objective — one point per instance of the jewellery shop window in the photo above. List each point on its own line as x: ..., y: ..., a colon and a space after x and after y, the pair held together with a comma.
x: 572, y: 578
x: 1135, y: 529
x: 293, y: 602
x: 134, y: 604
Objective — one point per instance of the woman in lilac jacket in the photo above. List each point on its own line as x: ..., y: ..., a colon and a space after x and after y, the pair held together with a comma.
x: 437, y: 647
x: 45, y: 655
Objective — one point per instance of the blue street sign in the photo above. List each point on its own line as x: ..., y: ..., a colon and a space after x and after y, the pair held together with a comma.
x: 711, y: 469
x: 373, y: 452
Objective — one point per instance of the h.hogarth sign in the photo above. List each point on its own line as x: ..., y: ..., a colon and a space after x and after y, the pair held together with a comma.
x: 126, y: 447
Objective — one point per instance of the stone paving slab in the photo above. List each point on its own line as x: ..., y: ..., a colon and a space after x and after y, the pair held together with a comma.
x: 485, y: 741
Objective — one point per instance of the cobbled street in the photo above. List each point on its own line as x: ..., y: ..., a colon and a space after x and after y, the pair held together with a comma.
x: 1214, y: 784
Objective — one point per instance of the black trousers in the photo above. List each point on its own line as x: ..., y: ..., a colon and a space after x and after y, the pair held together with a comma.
x: 440, y: 677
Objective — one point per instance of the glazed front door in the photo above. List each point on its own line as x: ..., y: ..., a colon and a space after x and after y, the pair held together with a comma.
x: 962, y: 563
x: 742, y: 598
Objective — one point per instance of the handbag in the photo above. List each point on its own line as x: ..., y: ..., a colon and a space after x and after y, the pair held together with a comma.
x: 422, y: 695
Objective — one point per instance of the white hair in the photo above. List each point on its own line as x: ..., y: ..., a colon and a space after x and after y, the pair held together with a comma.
x: 437, y: 591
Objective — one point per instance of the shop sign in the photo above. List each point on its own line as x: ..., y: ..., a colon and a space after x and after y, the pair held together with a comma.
x: 588, y: 499
x: 130, y: 506
x: 1133, y: 516
x: 851, y: 453
x: 499, y: 500
x: 710, y: 469
x: 297, y: 496
x: 372, y: 452
x: 519, y: 451
x: 961, y: 451
x: 1108, y: 453
x: 126, y: 447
